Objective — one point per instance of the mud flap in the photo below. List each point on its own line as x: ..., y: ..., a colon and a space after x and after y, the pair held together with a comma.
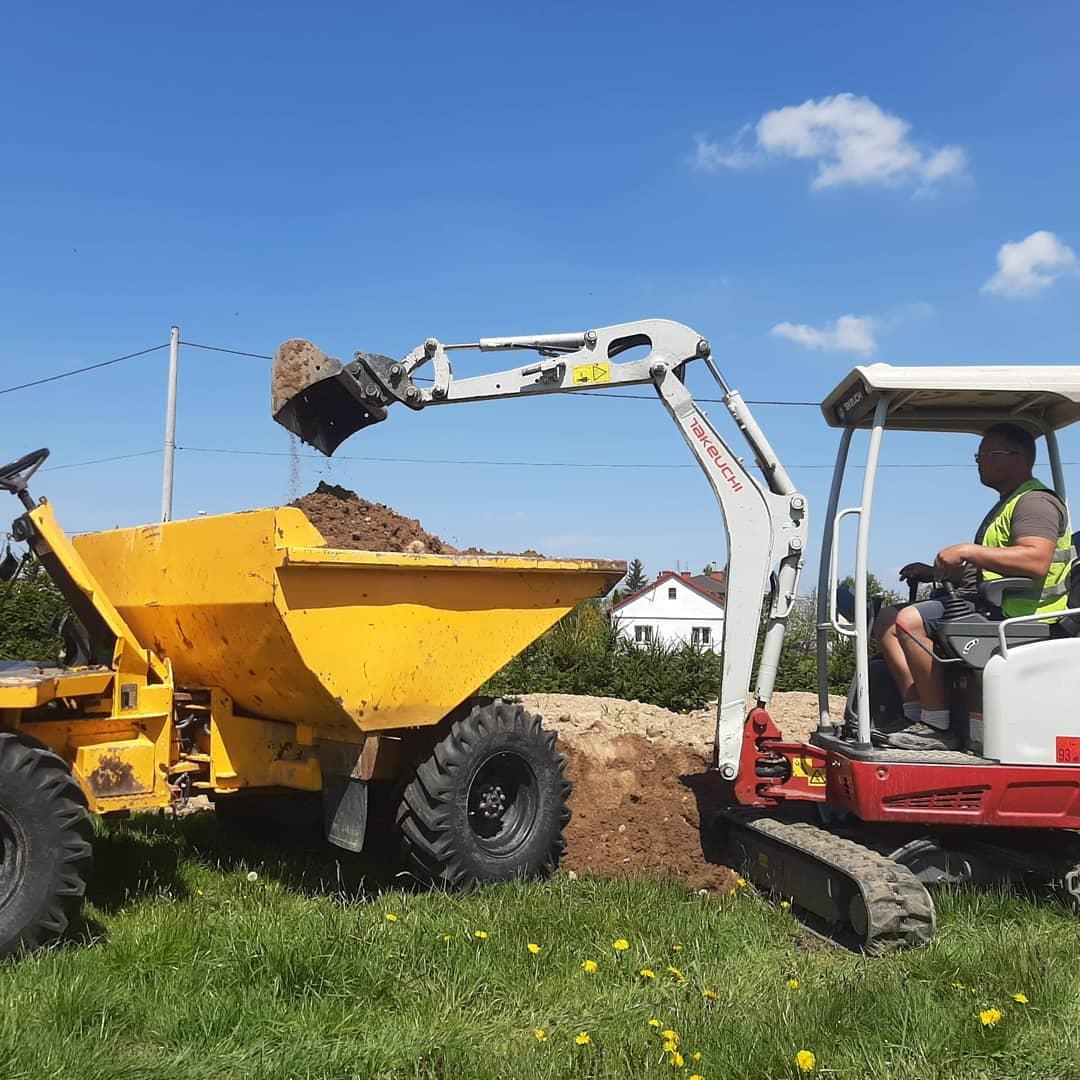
x: 345, y: 811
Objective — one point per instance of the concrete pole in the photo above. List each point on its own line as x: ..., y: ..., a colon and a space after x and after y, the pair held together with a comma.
x: 170, y: 425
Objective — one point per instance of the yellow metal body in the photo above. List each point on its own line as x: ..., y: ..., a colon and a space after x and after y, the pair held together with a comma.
x: 279, y: 656
x: 344, y: 642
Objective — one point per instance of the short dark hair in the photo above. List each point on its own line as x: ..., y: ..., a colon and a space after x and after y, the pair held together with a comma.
x: 1015, y: 437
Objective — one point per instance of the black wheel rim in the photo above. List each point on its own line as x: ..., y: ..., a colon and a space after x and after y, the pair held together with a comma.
x: 11, y: 857
x: 503, y: 801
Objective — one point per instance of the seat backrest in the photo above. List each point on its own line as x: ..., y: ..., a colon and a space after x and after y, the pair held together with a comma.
x: 1070, y: 625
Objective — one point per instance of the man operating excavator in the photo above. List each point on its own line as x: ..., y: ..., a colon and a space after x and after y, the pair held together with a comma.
x: 1026, y: 534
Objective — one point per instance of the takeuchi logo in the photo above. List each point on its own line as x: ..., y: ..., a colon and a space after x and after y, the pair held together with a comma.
x: 713, y: 451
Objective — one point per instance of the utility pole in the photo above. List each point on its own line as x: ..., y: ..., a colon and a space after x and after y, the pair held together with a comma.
x: 170, y: 425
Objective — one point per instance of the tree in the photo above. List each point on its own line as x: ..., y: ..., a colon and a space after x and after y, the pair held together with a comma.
x: 29, y: 610
x: 874, y: 587
x: 635, y: 576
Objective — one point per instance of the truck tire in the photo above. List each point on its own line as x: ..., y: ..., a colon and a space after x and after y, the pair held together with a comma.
x: 46, y: 847
x: 488, y: 803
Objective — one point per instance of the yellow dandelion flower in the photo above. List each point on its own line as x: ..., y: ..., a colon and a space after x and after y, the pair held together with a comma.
x: 793, y: 984
x: 582, y: 1038
x: 589, y: 966
x: 675, y: 1059
x: 709, y: 995
x: 741, y: 882
x: 675, y: 973
x: 390, y: 917
x: 670, y: 1036
x: 447, y: 937
x: 958, y: 986
x: 785, y: 905
x: 654, y: 1023
x: 676, y: 947
x: 480, y: 935
x: 540, y: 1034
x: 670, y: 1047
x: 805, y: 1061
x: 1021, y: 998
x: 989, y: 1017
x: 198, y: 892
x: 533, y: 948
x: 620, y: 945
x: 696, y: 1076
x: 647, y: 973
x: 695, y: 1056
x: 732, y: 891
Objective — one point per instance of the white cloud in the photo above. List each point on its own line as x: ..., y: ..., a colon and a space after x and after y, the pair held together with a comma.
x: 1031, y: 265
x: 851, y: 139
x: 849, y: 333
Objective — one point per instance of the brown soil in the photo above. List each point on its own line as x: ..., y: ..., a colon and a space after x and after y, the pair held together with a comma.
x: 347, y: 521
x: 642, y: 786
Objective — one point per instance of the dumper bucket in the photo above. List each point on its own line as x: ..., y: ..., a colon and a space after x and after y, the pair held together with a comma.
x: 257, y: 605
x: 315, y: 397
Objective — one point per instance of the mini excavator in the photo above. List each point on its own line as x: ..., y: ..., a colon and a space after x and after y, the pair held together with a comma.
x: 851, y: 832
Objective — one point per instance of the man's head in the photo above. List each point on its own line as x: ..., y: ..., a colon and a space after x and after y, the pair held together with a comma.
x: 1006, y: 457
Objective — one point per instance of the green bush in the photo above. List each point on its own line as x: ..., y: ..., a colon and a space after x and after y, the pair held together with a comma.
x: 30, y: 607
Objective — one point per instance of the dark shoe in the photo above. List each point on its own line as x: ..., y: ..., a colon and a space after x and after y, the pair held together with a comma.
x: 920, y: 736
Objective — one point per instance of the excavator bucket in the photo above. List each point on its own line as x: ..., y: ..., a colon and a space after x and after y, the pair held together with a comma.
x: 317, y: 398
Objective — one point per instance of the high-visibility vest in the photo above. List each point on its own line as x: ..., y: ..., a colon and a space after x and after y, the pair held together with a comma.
x: 996, y: 531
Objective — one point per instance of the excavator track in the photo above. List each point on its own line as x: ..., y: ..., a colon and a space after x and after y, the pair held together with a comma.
x: 853, y: 895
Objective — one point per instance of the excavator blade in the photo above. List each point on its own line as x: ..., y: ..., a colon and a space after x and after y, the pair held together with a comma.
x: 317, y: 398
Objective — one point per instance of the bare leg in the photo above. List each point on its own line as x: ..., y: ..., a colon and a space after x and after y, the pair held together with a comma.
x: 918, y: 650
x: 886, y: 637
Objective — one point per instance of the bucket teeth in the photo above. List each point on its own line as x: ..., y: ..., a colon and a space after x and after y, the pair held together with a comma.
x: 317, y: 398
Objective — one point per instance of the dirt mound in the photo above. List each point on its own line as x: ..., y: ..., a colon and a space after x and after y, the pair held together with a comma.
x: 642, y: 785
x: 347, y: 521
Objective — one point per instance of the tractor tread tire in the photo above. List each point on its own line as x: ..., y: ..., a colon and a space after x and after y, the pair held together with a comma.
x: 49, y: 852
x: 438, y: 845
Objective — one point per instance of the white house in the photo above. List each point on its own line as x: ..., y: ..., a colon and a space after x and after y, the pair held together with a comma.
x: 675, y: 609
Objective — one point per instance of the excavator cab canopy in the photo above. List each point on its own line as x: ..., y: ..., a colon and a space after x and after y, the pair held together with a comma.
x: 971, y: 399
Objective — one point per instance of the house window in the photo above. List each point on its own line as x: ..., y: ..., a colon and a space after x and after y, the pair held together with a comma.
x: 643, y: 634
x: 701, y: 635
x: 671, y: 594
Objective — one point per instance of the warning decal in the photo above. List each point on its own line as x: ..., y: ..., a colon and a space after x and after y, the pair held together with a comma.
x: 813, y: 775
x: 1068, y: 750
x: 584, y: 374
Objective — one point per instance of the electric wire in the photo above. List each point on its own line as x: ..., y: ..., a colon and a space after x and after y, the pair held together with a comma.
x: 81, y: 370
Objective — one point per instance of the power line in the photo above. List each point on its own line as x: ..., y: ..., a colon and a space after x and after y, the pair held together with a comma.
x: 79, y: 371
x: 101, y: 461
x: 222, y: 349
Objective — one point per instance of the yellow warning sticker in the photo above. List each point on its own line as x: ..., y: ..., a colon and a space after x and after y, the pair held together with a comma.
x: 813, y: 775
x: 584, y: 374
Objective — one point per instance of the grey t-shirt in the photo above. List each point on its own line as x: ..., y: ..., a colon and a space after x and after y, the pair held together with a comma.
x: 1037, y: 513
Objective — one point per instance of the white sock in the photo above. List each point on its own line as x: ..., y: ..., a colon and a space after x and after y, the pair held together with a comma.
x: 912, y: 711
x: 936, y: 718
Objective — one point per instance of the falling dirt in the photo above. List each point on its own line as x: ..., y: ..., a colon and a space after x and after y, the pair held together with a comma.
x: 643, y: 789
x: 347, y: 521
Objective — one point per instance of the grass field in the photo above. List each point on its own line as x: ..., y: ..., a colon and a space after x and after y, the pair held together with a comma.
x: 191, y: 969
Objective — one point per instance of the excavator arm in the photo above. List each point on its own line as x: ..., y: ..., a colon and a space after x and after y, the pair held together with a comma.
x: 323, y: 401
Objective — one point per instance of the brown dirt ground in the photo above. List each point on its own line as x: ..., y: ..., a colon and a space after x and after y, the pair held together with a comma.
x: 642, y: 786
x: 347, y: 521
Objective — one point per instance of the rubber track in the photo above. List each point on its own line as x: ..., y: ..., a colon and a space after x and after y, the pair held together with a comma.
x: 899, y: 909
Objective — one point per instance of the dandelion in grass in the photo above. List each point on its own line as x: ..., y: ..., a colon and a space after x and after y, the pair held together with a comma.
x: 582, y: 1038
x: 675, y: 1060
x: 670, y: 1036
x: 670, y: 1047
x: 785, y: 905
x: 589, y: 966
x: 448, y: 937
x: 709, y: 995
x: 654, y: 1024
x: 793, y: 983
x: 695, y: 1056
x: 741, y: 882
x: 676, y: 947
x: 390, y: 917
x: 1022, y: 999
x: 480, y: 935
x: 676, y: 974
x: 539, y: 1034
x: 958, y: 986
x: 533, y: 948
x: 990, y: 1017
x: 620, y: 944
x: 805, y: 1061
x: 696, y: 1076
x: 647, y: 973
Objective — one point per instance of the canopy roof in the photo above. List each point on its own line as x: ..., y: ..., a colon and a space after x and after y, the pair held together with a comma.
x: 1040, y: 398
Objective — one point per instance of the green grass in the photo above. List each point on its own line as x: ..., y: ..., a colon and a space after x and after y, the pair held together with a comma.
x: 191, y: 970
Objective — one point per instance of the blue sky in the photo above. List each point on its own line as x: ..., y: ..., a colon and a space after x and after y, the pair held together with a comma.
x: 368, y: 177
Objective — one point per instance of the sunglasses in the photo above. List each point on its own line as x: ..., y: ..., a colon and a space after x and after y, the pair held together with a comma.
x: 994, y: 453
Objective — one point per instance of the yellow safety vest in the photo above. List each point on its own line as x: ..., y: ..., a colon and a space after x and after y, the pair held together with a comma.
x: 996, y: 531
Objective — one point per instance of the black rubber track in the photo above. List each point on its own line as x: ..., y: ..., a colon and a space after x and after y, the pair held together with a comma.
x: 498, y: 747
x: 810, y: 865
x: 46, y: 842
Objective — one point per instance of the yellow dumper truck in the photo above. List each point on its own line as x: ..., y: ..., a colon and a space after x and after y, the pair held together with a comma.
x: 239, y: 657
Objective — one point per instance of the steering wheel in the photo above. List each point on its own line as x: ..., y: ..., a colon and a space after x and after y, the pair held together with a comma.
x: 16, y: 474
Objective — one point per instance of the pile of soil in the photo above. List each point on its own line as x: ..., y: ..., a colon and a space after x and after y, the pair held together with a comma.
x: 347, y: 521
x: 642, y: 784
